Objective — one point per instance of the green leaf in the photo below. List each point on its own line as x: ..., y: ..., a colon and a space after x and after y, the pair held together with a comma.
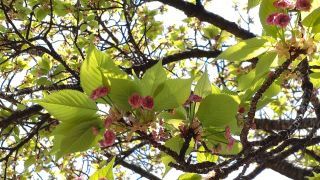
x: 245, y: 50
x: 203, y: 156
x: 272, y: 91
x: 211, y: 31
x: 105, y: 172
x: 218, y: 110
x: 45, y: 64
x: 311, y: 18
x: 40, y: 13
x: 97, y: 65
x: 253, y: 3
x: 190, y: 176
x: 267, y: 8
x: 61, y: 8
x: 316, y: 26
x: 121, y: 90
x: 315, y: 79
x: 178, y: 113
x: 166, y: 159
x: 29, y: 162
x: 69, y: 105
x: 79, y: 138
x: 172, y: 93
x: 244, y: 81
x: 264, y: 63
x: 152, y: 79
x: 203, y: 87
x: 175, y: 122
x: 316, y: 176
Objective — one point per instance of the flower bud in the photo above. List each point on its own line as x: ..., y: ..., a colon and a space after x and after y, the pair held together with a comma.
x: 99, y: 92
x: 303, y: 5
x: 135, y: 100
x: 147, y: 103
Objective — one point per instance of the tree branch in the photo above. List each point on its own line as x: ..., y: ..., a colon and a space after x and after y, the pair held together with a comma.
x: 192, y: 10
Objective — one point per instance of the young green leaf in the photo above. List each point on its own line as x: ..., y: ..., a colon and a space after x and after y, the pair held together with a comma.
x: 313, y: 20
x: 203, y: 87
x: 152, y: 79
x: 172, y: 93
x: 79, y: 138
x: 264, y: 63
x: 211, y: 31
x: 97, y: 65
x: 190, y: 176
x: 244, y: 81
x: 253, y: 3
x: 69, y: 105
x: 218, y: 110
x: 121, y: 90
x: 246, y: 50
x: 105, y: 172
x: 204, y: 156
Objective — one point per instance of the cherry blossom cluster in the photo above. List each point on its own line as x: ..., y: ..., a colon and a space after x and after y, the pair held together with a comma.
x: 136, y: 101
x: 109, y: 136
x: 283, y: 19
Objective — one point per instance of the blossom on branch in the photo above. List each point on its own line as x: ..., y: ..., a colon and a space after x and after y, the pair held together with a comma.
x: 109, y: 139
x: 108, y: 122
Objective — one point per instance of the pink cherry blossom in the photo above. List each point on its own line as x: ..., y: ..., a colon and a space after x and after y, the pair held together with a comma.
x: 241, y: 110
x: 227, y: 133
x: 282, y: 20
x: 147, y: 102
x: 303, y: 5
x: 135, y: 100
x: 195, y: 98
x: 283, y: 4
x: 108, y: 122
x: 230, y: 144
x: 109, y: 139
x: 230, y: 139
x: 271, y: 18
x: 99, y: 92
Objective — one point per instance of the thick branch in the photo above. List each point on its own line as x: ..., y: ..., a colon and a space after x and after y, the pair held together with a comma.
x: 289, y: 170
x: 195, y: 53
x: 192, y: 10
x: 269, y: 124
x: 16, y: 116
x: 138, y: 170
